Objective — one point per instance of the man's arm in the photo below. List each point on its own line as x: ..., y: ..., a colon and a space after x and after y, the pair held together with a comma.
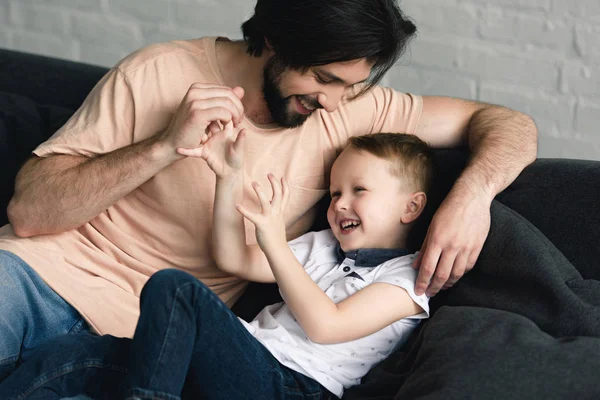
x: 62, y: 192
x: 503, y: 142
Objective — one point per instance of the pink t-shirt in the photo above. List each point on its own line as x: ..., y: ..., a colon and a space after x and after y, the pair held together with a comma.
x: 101, y: 267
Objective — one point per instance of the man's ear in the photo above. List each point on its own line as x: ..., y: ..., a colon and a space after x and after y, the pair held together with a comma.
x: 268, y: 44
x: 414, y: 207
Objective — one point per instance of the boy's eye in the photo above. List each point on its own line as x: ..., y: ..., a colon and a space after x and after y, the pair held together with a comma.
x: 335, y: 194
x: 359, y: 189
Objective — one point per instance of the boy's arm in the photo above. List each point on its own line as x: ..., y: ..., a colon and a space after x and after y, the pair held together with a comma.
x: 323, y: 321
x: 366, y: 312
x: 223, y: 152
x: 229, y: 247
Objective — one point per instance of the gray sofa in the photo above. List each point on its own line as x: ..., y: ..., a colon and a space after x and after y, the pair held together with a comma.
x: 525, y: 323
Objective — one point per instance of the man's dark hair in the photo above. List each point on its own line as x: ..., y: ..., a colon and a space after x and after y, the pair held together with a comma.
x: 306, y: 33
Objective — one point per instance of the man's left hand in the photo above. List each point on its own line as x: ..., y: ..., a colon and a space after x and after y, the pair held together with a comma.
x: 454, y: 240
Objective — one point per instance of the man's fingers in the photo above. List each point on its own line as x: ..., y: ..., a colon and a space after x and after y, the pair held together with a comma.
x: 442, y: 272
x: 426, y: 269
x: 207, y: 116
x: 198, y: 107
x: 459, y: 268
x: 199, y: 92
x: 417, y: 262
x: 473, y: 258
x: 239, y: 92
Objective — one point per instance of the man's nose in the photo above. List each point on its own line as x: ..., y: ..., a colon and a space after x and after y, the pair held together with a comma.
x: 331, y: 99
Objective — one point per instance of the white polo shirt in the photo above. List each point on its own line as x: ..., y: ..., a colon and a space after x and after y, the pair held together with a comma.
x: 341, y: 365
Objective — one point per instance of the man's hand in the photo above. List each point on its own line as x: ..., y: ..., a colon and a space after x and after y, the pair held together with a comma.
x: 222, y: 151
x: 269, y: 222
x: 453, y: 242
x: 204, y: 109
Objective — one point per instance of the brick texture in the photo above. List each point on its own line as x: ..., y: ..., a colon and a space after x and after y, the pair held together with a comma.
x: 537, y: 56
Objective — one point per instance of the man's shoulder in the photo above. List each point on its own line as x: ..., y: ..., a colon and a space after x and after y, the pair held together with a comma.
x: 173, y: 54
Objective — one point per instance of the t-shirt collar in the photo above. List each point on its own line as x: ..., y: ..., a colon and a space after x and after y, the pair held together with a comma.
x: 370, y: 257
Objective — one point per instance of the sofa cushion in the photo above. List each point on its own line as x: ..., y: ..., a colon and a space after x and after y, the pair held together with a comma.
x: 23, y: 125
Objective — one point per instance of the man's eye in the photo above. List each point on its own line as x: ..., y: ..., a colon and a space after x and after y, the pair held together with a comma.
x: 321, y: 80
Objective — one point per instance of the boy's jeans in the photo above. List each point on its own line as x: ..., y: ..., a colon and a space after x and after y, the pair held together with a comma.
x: 187, y: 340
x: 30, y: 312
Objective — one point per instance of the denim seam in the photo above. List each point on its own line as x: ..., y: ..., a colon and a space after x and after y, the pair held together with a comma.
x: 150, y: 395
x: 9, y: 360
x: 78, y: 327
x: 162, y: 347
x: 66, y: 370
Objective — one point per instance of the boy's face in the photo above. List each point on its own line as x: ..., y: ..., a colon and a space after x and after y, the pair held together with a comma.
x: 292, y: 95
x: 367, y: 202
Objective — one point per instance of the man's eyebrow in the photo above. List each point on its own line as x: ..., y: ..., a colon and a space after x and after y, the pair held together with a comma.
x: 335, y: 78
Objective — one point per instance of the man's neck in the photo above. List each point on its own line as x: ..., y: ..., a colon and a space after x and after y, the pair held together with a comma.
x: 241, y: 69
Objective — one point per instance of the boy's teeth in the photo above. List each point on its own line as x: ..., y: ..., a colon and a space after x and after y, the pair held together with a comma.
x: 346, y: 225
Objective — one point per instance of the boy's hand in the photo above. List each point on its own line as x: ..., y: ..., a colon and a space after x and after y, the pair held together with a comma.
x: 269, y: 222
x: 222, y: 151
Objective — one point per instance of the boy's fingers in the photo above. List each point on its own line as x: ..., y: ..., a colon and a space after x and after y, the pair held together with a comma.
x: 276, y: 200
x: 264, y: 202
x: 249, y: 215
x: 196, y: 152
x: 239, y: 141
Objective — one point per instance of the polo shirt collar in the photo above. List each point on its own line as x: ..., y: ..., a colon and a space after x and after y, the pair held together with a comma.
x: 370, y: 257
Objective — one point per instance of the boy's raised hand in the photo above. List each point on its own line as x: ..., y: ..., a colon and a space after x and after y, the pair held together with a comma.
x: 221, y: 149
x: 269, y: 222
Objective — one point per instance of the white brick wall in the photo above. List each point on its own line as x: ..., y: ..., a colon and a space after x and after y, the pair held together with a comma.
x: 538, y: 56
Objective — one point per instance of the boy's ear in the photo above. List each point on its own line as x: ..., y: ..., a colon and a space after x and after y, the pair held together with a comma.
x: 414, y: 207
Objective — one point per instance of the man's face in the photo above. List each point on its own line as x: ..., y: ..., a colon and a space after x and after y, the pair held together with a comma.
x: 368, y: 202
x: 293, y: 95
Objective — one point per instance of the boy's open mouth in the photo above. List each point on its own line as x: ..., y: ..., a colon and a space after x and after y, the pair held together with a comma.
x: 347, y: 226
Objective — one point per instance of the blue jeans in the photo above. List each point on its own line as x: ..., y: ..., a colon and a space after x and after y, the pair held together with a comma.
x: 187, y: 344
x: 30, y: 313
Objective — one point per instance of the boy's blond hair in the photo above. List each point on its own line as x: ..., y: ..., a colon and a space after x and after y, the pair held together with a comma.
x: 410, y: 158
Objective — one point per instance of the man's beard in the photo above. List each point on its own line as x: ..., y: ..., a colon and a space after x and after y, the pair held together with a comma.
x: 278, y: 104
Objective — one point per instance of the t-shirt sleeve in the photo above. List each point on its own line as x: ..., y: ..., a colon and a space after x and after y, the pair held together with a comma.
x: 399, y: 272
x: 382, y: 109
x: 103, y: 123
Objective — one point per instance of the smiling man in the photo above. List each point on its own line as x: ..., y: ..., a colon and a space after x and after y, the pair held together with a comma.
x: 113, y: 196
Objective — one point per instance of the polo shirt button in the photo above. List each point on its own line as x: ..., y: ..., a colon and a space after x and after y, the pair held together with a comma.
x: 346, y: 269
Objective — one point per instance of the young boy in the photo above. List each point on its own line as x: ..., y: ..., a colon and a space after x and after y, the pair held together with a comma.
x: 348, y: 292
